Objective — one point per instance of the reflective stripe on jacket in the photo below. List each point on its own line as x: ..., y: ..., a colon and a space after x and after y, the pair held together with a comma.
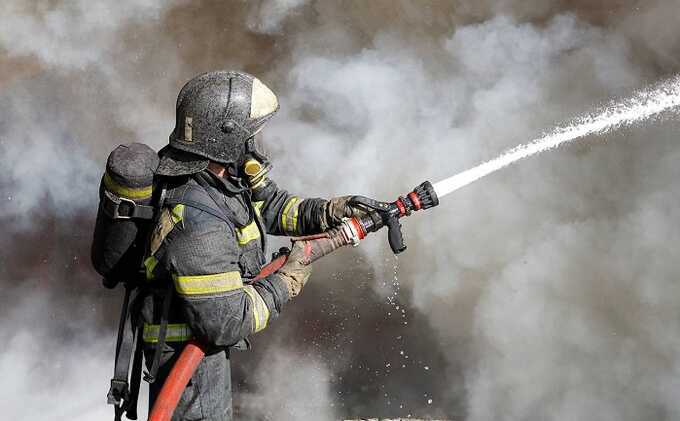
x: 210, y: 260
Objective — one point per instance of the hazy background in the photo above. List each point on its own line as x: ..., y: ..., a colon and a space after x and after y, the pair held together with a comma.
x: 546, y: 291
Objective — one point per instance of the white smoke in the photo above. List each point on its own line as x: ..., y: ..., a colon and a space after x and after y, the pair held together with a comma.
x: 71, y: 34
x: 46, y: 167
x: 55, y: 128
x: 288, y: 388
x: 54, y: 369
x: 78, y: 96
x: 550, y: 284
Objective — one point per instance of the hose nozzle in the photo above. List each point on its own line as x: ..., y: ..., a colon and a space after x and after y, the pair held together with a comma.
x: 425, y: 195
x: 387, y: 214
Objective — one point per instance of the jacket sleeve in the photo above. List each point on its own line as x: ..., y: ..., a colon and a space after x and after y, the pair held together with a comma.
x: 201, y: 254
x: 287, y: 214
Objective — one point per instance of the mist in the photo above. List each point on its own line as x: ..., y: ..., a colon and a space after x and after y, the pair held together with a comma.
x: 544, y: 291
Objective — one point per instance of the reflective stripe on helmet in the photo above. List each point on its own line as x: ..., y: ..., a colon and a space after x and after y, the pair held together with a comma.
x: 178, y: 332
x: 260, y: 309
x: 289, y: 215
x: 188, y: 129
x: 125, y: 191
x: 208, y: 284
x: 248, y: 233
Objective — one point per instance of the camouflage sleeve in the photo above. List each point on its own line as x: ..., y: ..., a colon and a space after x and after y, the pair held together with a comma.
x: 287, y: 214
x: 201, y: 254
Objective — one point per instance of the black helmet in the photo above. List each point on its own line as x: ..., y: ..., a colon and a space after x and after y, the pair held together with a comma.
x: 217, y: 115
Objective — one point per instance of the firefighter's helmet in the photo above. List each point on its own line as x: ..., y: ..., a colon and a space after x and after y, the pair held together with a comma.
x: 217, y: 115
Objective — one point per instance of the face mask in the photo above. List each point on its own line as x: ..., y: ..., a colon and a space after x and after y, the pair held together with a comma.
x: 255, y: 165
x: 255, y: 149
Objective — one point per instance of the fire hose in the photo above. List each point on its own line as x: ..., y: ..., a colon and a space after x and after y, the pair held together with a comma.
x: 350, y: 232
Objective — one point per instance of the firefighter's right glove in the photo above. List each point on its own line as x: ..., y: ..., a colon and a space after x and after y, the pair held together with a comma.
x: 339, y: 208
x: 297, y: 269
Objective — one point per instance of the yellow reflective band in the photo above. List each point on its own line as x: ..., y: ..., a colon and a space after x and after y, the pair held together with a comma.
x: 208, y: 284
x: 258, y: 208
x: 178, y: 332
x: 248, y: 233
x: 124, y: 191
x: 260, y: 309
x: 177, y: 213
x: 150, y: 264
x: 289, y: 215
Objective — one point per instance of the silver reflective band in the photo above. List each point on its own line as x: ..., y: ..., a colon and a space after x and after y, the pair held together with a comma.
x: 260, y: 309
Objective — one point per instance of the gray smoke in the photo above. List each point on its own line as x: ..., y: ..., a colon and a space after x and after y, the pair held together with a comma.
x: 268, y: 17
x: 545, y: 291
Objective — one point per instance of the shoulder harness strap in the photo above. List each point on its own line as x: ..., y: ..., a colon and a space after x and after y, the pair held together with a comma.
x: 200, y: 198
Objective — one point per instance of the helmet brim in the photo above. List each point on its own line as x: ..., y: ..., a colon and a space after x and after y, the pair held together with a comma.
x: 174, y: 162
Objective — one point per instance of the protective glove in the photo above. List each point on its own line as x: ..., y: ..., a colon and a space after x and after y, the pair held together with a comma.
x: 339, y: 208
x: 297, y: 269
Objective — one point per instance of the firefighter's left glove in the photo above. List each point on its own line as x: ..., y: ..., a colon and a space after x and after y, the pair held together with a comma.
x: 337, y: 209
x: 297, y: 269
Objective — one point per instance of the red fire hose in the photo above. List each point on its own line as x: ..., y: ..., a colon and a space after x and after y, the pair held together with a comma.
x: 350, y: 232
x: 179, y: 377
x: 188, y: 362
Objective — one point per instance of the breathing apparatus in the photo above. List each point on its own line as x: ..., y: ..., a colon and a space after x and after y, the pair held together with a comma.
x: 255, y: 172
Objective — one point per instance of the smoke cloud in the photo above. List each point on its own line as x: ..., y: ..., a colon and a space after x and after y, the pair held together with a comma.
x: 545, y: 291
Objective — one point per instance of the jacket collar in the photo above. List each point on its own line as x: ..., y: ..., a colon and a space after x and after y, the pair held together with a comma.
x: 228, y: 185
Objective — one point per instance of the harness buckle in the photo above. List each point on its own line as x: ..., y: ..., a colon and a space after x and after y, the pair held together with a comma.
x: 118, y: 392
x: 148, y: 377
x: 119, y: 207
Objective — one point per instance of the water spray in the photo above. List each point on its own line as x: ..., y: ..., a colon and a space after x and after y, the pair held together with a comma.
x: 641, y: 106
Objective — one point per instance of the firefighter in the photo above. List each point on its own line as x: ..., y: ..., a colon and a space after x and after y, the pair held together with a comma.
x: 209, y: 240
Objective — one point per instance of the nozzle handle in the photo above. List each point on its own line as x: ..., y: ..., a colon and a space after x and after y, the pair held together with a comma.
x: 394, y: 235
x: 382, y: 214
